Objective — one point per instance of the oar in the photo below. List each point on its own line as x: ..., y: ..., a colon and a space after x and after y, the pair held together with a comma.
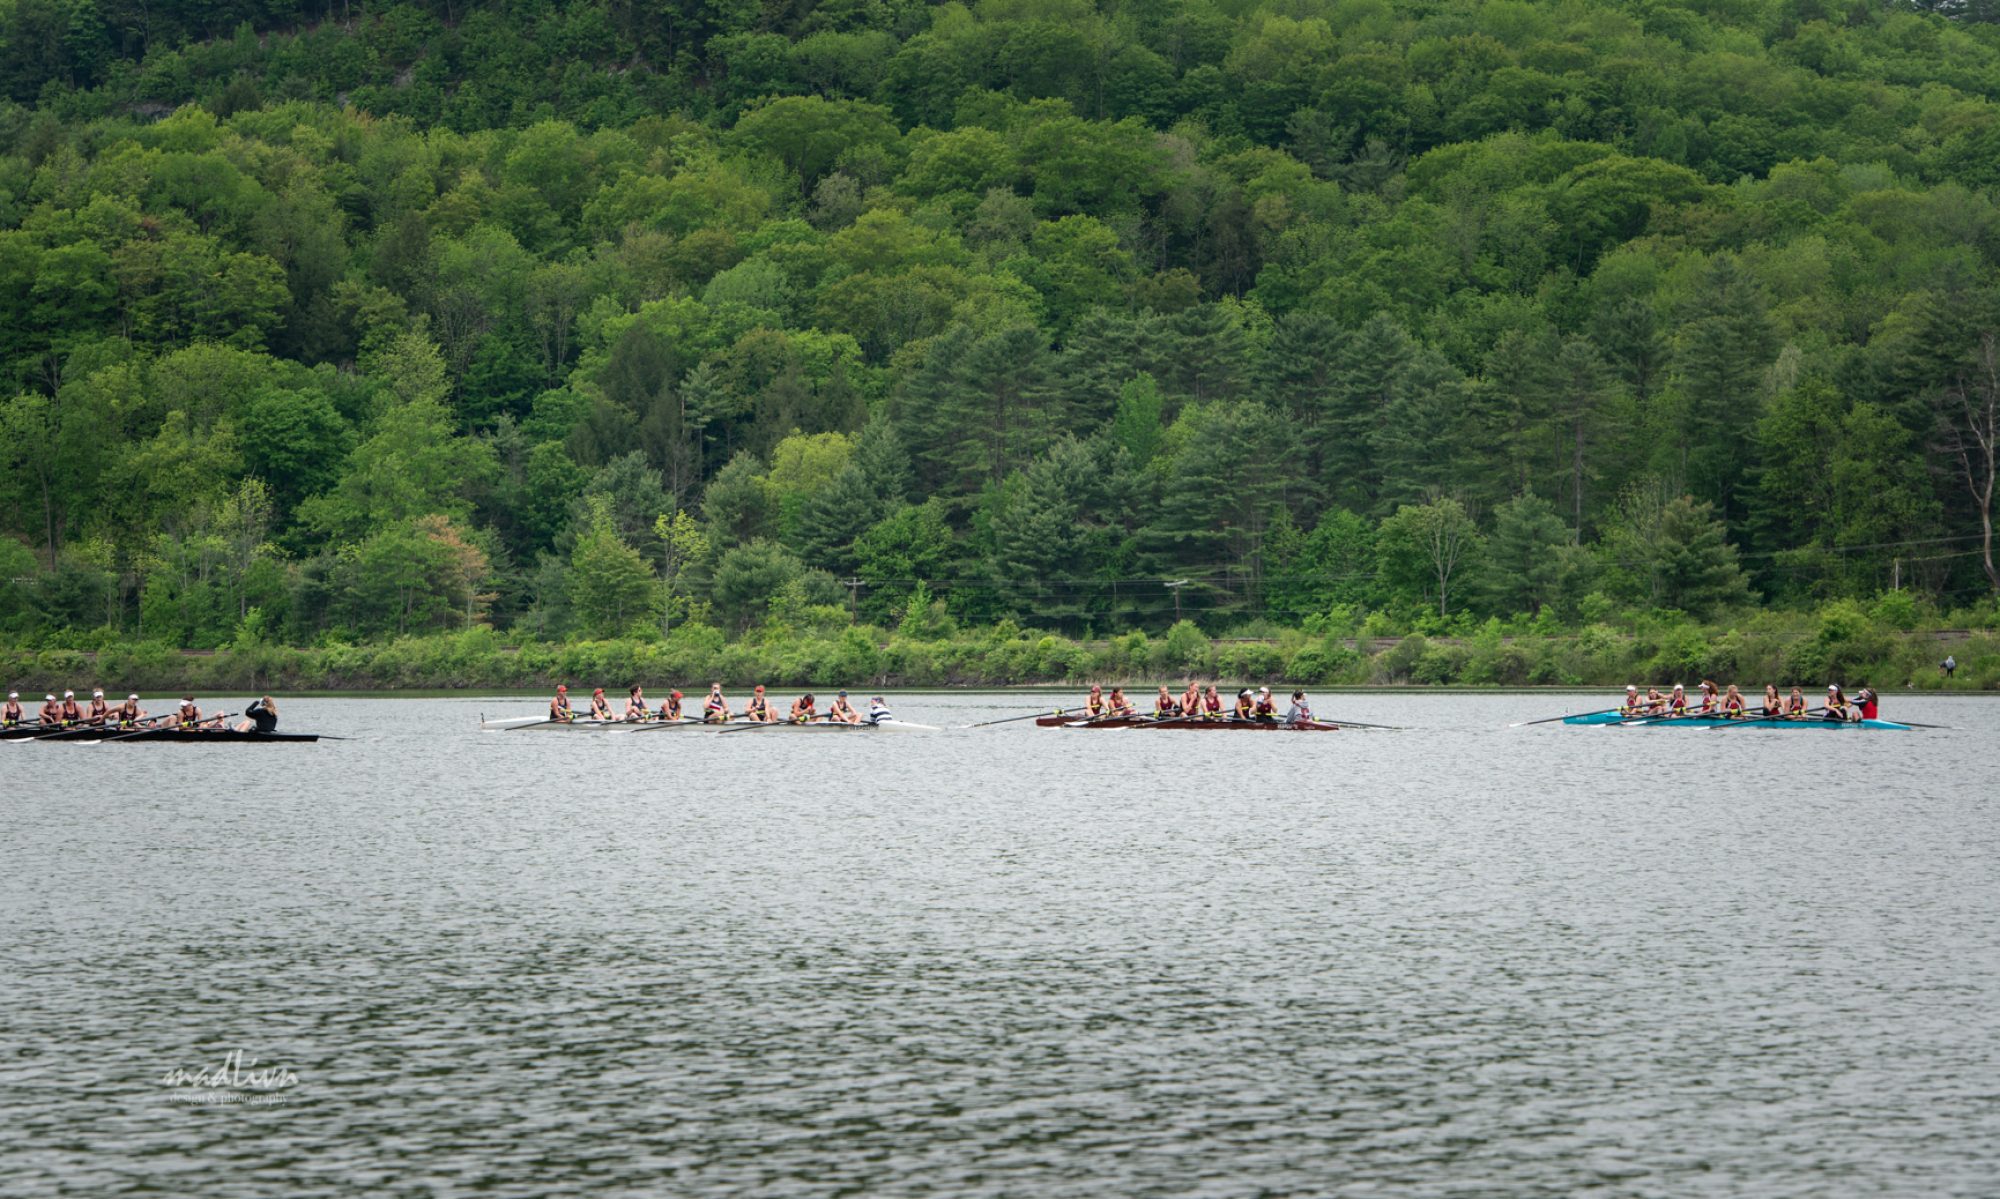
x: 681, y: 722
x: 1665, y: 718
x: 751, y: 726
x: 1030, y: 716
x: 1356, y: 724
x: 1565, y: 716
x: 79, y: 732
x: 1808, y: 714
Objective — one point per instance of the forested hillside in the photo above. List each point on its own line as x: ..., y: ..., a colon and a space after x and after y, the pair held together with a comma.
x: 592, y: 320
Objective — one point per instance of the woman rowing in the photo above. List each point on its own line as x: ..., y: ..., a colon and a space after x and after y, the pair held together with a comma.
x: 1118, y: 706
x: 1266, y: 707
x: 670, y: 707
x: 635, y: 704
x: 1211, y: 703
x: 1245, y: 704
x: 1795, y: 705
x: 99, y: 711
x: 1677, y: 703
x: 11, y: 714
x: 842, y: 712
x: 759, y: 708
x: 51, y: 713
x: 600, y: 708
x: 1164, y: 705
x: 1191, y: 699
x: 1774, y: 704
x: 189, y: 716
x: 129, y: 713
x: 804, y: 709
x: 1710, y: 700
x: 715, y: 709
x: 1633, y: 705
x: 1836, y: 703
x: 1732, y: 703
x: 559, y: 709
x: 1093, y: 704
x: 1656, y: 704
x: 72, y: 715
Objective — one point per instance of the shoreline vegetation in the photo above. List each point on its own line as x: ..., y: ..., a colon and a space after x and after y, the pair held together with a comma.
x: 1842, y: 642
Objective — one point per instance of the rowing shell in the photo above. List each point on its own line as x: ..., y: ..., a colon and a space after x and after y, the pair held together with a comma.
x: 542, y: 724
x: 1702, y: 722
x: 129, y: 736
x: 1147, y: 722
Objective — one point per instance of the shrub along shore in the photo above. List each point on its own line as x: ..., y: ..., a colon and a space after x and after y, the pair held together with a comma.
x: 1842, y: 644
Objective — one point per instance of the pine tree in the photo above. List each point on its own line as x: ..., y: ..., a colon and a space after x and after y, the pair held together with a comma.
x: 1524, y: 559
x: 1419, y: 446
x: 1363, y: 387
x: 1720, y: 359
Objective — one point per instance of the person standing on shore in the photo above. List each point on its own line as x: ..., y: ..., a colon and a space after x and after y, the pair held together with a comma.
x: 1948, y: 667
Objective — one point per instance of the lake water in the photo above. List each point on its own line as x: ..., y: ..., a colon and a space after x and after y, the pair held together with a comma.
x: 1457, y: 960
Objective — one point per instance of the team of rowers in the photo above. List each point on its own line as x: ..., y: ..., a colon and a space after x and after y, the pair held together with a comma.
x: 98, y: 713
x: 1865, y: 705
x: 716, y: 710
x: 1198, y: 702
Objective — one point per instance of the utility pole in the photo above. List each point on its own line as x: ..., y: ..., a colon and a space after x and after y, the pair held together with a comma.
x: 1175, y: 587
x: 854, y: 587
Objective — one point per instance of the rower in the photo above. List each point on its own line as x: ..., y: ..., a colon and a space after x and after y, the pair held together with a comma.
x: 635, y: 704
x: 1267, y: 707
x: 10, y: 714
x: 1191, y: 699
x: 1677, y: 703
x: 878, y: 711
x: 759, y: 709
x: 842, y: 712
x: 1164, y: 705
x: 600, y: 708
x: 559, y: 709
x: 1631, y: 705
x: 129, y: 713
x: 98, y: 710
x: 1836, y: 703
x: 1211, y: 703
x: 1795, y: 705
x: 1244, y: 704
x: 715, y: 709
x: 71, y: 714
x: 51, y: 713
x: 1118, y: 705
x: 1656, y: 704
x: 1774, y: 705
x: 1093, y: 704
x: 1868, y: 703
x: 263, y: 716
x: 1709, y: 699
x: 1732, y: 703
x: 804, y: 710
x: 189, y: 716
x: 1300, y: 712
x: 670, y: 707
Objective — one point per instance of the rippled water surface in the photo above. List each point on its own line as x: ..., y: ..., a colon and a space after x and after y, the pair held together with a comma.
x: 1458, y: 960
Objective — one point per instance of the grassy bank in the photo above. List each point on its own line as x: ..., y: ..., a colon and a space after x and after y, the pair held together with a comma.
x: 1839, y: 644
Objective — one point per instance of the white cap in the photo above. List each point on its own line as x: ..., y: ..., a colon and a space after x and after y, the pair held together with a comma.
x: 1833, y: 686
x: 1630, y: 687
x: 97, y: 693
x: 134, y: 695
x: 50, y: 698
x: 69, y: 695
x: 13, y: 695
x: 1266, y: 690
x: 1678, y: 687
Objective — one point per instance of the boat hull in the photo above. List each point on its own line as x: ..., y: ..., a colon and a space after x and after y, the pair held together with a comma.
x: 1146, y: 722
x: 1706, y: 722
x: 135, y: 736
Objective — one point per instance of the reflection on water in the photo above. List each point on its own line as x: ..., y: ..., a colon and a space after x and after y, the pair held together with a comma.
x: 1461, y: 960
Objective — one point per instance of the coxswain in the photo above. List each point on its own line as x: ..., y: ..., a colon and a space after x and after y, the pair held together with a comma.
x: 842, y: 712
x: 1868, y: 703
x: 1631, y: 706
x: 804, y: 709
x: 262, y: 716
x: 1677, y: 703
x: 1300, y: 712
x: 600, y: 708
x: 1211, y: 703
x: 1093, y: 704
x: 759, y: 708
x: 715, y: 709
x: 1118, y: 705
x: 72, y: 715
x: 51, y: 713
x: 1245, y: 705
x: 1836, y: 703
x: 670, y: 707
x: 878, y: 711
x: 10, y: 714
x: 1732, y: 703
x: 559, y: 709
x: 1164, y: 706
x: 1191, y: 699
x: 98, y: 711
x: 635, y: 704
x: 129, y: 713
x: 1710, y: 701
x: 1774, y: 704
x: 1266, y: 707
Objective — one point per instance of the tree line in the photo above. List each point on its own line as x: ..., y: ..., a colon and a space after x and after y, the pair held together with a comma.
x: 599, y: 320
